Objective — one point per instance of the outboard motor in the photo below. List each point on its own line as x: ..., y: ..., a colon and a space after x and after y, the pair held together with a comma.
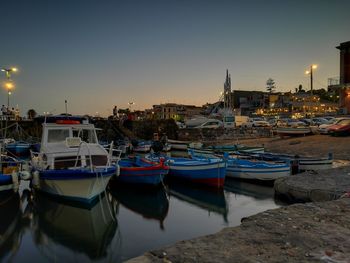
x: 157, y: 146
x: 134, y: 142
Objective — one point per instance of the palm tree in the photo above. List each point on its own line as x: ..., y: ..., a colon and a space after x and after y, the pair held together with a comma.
x: 31, y: 114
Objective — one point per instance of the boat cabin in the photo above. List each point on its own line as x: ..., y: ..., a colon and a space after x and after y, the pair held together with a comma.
x: 65, y: 146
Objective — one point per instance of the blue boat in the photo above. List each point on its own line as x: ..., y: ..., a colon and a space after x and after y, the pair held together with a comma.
x: 256, y: 170
x: 142, y: 171
x: 251, y: 169
x: 210, y: 172
x: 8, y: 173
x: 19, y: 149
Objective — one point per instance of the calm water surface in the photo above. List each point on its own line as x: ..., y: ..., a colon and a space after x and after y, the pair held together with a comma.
x: 124, y: 223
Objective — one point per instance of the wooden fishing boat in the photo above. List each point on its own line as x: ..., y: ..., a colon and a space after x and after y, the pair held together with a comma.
x: 299, y: 163
x: 142, y: 171
x: 142, y: 147
x: 178, y: 145
x: 18, y: 149
x: 256, y: 170
x: 208, y: 172
x: 9, y: 168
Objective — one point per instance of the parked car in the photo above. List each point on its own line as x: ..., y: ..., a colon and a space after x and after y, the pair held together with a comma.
x: 323, y: 128
x: 319, y: 121
x: 340, y: 128
x: 256, y: 123
x: 295, y: 123
x: 212, y: 124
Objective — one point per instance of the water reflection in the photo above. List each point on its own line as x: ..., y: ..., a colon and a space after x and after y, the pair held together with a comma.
x: 149, y: 203
x: 10, y: 224
x: 212, y: 200
x: 256, y: 191
x: 83, y: 232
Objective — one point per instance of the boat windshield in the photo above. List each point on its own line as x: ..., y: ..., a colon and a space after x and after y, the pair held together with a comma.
x: 86, y: 135
x: 57, y: 135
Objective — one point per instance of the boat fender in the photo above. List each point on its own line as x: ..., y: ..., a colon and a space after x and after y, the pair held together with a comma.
x: 117, y: 173
x: 36, y: 179
x: 25, y: 175
x: 14, y: 176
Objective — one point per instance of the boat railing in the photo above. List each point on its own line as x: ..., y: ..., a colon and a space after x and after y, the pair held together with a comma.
x: 89, y: 152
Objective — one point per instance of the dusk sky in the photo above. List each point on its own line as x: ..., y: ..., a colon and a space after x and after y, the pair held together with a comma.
x: 97, y: 54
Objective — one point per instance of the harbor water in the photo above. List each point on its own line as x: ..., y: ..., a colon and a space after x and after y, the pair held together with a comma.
x: 124, y: 222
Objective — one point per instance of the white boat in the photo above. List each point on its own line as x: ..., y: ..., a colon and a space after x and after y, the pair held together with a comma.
x: 256, y: 170
x: 178, y: 145
x: 290, y: 131
x: 195, y: 121
x: 71, y: 163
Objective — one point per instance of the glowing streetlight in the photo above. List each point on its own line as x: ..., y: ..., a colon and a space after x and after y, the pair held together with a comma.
x: 9, y: 86
x: 309, y: 72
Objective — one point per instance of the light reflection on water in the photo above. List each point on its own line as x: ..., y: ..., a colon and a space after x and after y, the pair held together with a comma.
x: 124, y: 223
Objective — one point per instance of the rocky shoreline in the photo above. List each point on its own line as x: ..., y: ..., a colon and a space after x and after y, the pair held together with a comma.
x: 316, y: 231
x: 312, y: 232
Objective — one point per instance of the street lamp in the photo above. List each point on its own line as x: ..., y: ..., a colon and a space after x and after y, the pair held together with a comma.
x: 307, y: 72
x: 9, y: 85
x: 8, y: 72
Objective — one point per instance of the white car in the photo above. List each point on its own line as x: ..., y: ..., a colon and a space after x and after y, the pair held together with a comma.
x: 256, y: 123
x: 323, y: 128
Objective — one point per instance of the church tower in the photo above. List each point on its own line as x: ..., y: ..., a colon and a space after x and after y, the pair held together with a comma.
x: 227, y: 92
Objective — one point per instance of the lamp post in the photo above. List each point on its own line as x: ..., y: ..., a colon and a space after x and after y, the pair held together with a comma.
x: 9, y: 85
x: 310, y: 72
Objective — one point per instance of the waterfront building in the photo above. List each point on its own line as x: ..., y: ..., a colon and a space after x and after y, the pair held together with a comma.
x: 178, y: 112
x: 341, y: 85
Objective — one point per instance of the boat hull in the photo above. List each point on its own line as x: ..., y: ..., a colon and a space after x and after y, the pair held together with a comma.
x: 76, y: 185
x: 211, y: 174
x: 268, y: 174
x: 142, y: 176
x: 287, y: 131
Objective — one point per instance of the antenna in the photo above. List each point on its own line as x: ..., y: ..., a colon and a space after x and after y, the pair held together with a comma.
x: 65, y: 102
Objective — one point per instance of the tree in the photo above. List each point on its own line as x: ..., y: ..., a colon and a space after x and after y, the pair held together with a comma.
x: 270, y: 85
x: 31, y: 114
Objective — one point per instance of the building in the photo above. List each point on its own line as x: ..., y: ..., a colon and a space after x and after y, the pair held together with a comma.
x: 178, y: 112
x: 341, y: 85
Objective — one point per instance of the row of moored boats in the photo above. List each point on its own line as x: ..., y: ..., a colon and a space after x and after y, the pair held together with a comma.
x: 72, y: 164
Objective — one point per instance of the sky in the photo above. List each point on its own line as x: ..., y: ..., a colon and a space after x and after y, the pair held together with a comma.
x: 100, y: 53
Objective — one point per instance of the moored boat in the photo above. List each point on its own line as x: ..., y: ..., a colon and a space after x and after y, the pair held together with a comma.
x: 256, y: 170
x: 290, y: 131
x: 9, y: 168
x: 142, y: 147
x: 299, y: 163
x: 210, y: 172
x: 71, y: 163
x: 141, y: 171
x: 18, y: 149
x: 178, y: 145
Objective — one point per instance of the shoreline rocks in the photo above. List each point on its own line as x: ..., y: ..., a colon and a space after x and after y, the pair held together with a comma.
x: 311, y: 232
